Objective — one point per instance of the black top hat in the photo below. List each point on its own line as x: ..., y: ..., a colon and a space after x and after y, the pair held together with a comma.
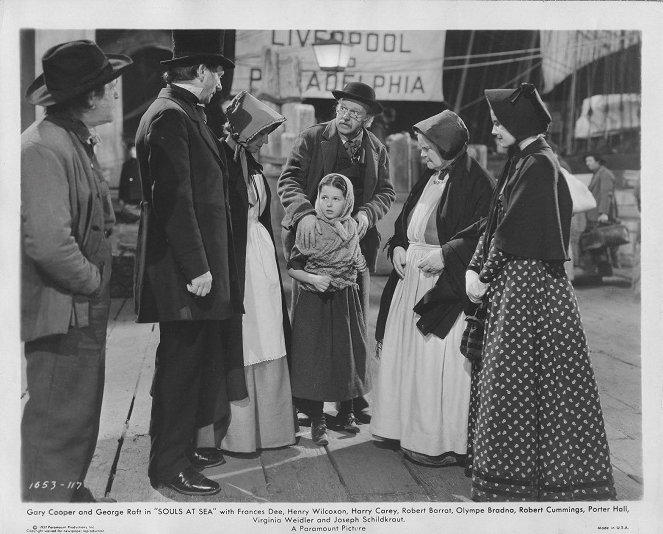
x: 195, y: 47
x: 72, y: 69
x: 361, y: 93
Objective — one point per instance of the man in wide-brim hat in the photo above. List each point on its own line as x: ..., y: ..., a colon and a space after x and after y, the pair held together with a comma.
x: 346, y: 146
x: 186, y: 272
x: 66, y: 220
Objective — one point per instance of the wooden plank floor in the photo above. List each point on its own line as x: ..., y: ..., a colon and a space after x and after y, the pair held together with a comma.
x: 352, y: 468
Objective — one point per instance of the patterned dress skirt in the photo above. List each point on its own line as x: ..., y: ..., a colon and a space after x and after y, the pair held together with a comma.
x: 538, y: 431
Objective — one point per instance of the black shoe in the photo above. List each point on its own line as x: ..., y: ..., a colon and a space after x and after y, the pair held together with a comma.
x: 319, y: 431
x: 191, y: 482
x: 443, y: 460
x: 204, y: 457
x: 363, y: 417
x: 347, y: 422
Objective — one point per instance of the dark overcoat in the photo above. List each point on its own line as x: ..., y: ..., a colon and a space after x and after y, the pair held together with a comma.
x: 186, y: 227
x: 465, y: 201
x: 312, y: 157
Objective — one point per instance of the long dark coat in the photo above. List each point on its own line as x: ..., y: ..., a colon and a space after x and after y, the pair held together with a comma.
x: 239, y: 206
x: 184, y: 179
x: 465, y: 201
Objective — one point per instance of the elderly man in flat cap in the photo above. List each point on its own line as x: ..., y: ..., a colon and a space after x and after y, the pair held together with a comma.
x: 66, y: 219
x: 343, y: 145
x: 187, y: 278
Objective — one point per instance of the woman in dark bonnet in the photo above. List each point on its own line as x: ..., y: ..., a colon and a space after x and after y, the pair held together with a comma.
x: 536, y: 426
x: 422, y: 391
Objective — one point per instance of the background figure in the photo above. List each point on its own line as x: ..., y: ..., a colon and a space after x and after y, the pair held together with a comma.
x: 66, y: 219
x: 329, y: 342
x: 266, y: 418
x: 422, y: 391
x: 129, y: 193
x: 602, y: 186
x: 583, y: 201
x: 382, y: 124
x: 537, y: 431
x: 187, y: 278
x: 343, y: 145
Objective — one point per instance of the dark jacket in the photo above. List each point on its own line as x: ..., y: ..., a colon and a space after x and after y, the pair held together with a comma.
x: 185, y: 181
x: 537, y: 206
x: 465, y: 201
x: 312, y: 157
x: 239, y: 206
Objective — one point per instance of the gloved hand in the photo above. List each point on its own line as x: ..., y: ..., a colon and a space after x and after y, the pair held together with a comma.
x: 474, y: 287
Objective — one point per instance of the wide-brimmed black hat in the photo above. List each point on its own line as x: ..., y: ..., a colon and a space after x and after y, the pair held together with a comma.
x: 195, y: 47
x: 72, y: 69
x: 361, y: 93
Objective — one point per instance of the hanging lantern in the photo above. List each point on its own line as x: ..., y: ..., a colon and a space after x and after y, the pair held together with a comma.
x: 332, y: 54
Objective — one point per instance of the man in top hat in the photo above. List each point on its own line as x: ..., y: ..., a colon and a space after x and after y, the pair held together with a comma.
x: 66, y: 219
x: 343, y: 145
x: 186, y: 277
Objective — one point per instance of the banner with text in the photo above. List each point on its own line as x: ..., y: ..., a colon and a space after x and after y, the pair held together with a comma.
x: 399, y: 65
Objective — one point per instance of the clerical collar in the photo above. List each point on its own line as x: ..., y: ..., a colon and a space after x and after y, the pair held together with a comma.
x: 193, y: 89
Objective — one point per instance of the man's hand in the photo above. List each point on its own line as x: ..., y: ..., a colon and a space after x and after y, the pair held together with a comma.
x: 306, y: 230
x: 432, y: 263
x: 201, y: 285
x: 474, y: 287
x: 398, y: 259
x: 603, y: 218
x: 362, y: 224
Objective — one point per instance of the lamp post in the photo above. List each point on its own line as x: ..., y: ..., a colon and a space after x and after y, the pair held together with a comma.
x: 331, y: 54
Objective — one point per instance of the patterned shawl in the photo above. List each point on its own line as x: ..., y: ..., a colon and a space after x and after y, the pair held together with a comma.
x: 336, y: 252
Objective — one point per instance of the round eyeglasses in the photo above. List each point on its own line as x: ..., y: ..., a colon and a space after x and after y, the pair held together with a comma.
x: 342, y: 111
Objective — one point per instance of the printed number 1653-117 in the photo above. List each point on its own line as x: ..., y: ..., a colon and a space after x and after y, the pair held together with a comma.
x: 52, y: 484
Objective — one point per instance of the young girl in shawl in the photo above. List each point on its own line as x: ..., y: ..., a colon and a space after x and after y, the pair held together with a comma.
x: 329, y: 343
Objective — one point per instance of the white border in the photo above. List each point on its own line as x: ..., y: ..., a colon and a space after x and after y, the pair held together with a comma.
x: 644, y: 516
